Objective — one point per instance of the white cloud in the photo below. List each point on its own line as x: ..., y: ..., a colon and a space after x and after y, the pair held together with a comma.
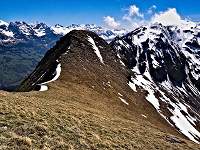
x: 133, y: 11
x: 151, y: 9
x: 154, y: 6
x: 169, y: 17
x: 133, y: 18
x: 111, y: 22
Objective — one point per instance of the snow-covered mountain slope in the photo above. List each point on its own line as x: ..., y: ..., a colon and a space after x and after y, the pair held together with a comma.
x: 165, y: 62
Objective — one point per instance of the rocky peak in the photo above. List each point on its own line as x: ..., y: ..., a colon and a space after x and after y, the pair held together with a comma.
x: 78, y: 48
x: 3, y: 23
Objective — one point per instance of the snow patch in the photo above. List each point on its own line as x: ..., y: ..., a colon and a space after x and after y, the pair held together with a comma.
x: 8, y: 33
x: 124, y: 101
x: 185, y: 127
x: 132, y: 86
x: 39, y: 32
x: 43, y: 87
x: 154, y: 62
x: 3, y: 23
x: 140, y: 81
x: 60, y: 30
x: 144, y: 116
x: 58, y: 72
x: 96, y: 49
x: 152, y: 99
x: 120, y: 59
x: 25, y: 29
x: 120, y: 94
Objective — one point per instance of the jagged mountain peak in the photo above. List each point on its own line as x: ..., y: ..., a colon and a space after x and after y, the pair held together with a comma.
x: 58, y: 25
x: 40, y: 25
x: 3, y: 23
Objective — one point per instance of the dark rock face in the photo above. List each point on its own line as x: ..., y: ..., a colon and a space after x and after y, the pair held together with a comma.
x: 164, y: 53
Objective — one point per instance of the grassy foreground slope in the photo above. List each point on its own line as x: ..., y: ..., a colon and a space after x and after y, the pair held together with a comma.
x: 76, y: 116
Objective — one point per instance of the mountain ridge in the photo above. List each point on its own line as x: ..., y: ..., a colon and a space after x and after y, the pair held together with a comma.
x: 41, y: 29
x: 153, y: 67
x: 64, y: 46
x: 88, y: 104
x: 171, y: 106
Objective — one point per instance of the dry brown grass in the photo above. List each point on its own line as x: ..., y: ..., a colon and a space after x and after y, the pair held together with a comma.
x: 74, y: 116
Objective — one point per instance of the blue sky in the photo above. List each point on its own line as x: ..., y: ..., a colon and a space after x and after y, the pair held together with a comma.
x: 66, y: 12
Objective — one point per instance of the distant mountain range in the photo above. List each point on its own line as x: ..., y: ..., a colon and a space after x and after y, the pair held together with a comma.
x: 22, y: 46
x: 16, y: 31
